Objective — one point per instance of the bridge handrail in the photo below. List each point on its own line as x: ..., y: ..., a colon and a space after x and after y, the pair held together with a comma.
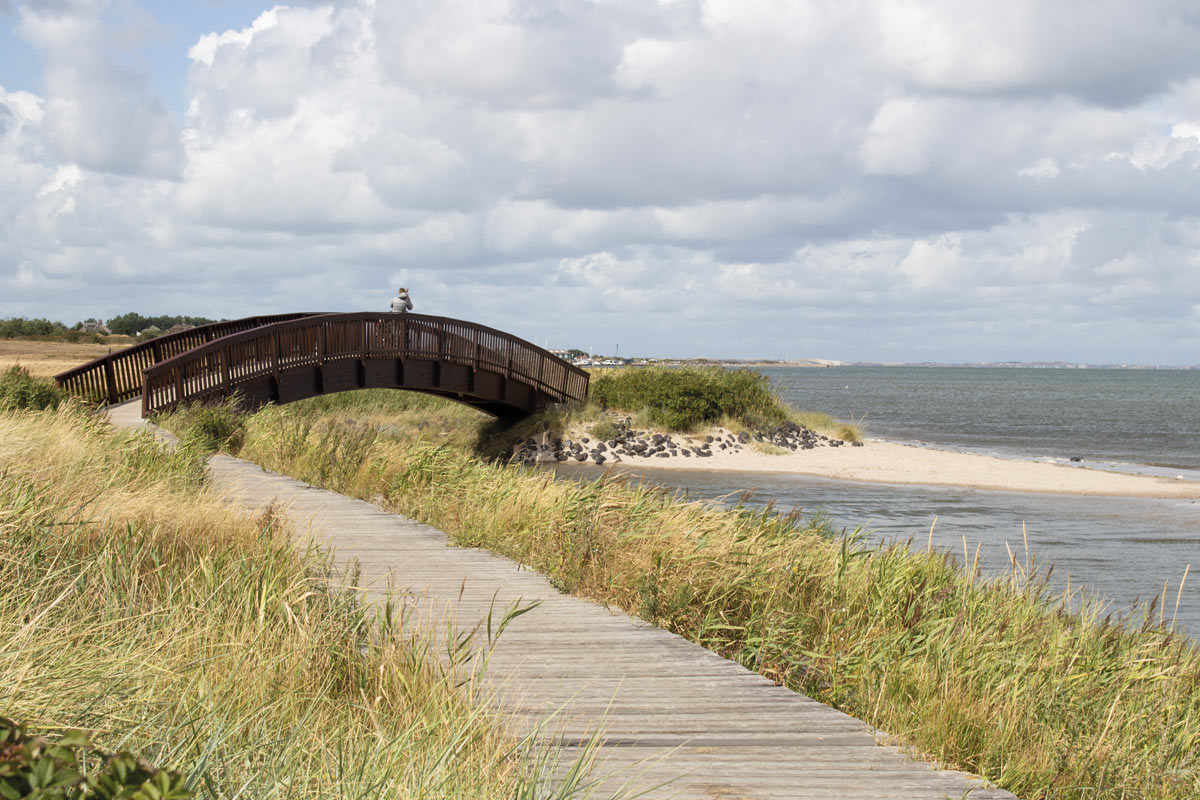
x: 222, y: 363
x: 118, y: 376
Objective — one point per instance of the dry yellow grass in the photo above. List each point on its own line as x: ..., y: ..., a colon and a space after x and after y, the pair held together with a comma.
x: 141, y: 609
x: 47, y: 359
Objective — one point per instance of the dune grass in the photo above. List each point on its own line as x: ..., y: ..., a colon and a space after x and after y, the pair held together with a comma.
x: 992, y: 676
x: 19, y: 389
x: 140, y: 611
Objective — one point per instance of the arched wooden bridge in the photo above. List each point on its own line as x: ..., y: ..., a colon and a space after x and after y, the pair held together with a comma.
x: 288, y: 357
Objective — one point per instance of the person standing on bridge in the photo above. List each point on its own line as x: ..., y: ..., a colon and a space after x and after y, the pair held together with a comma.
x: 401, y: 302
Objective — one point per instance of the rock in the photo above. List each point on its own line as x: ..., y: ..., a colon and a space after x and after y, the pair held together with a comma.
x: 599, y: 458
x: 856, y: 444
x: 708, y: 439
x: 662, y: 455
x: 1077, y: 458
x: 581, y: 456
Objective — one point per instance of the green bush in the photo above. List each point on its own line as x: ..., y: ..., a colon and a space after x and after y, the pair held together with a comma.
x: 32, y: 767
x: 14, y: 327
x: 129, y: 324
x: 19, y: 389
x: 684, y: 398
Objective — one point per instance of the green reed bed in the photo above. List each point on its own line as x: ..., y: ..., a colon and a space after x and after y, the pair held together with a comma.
x: 992, y: 676
x: 139, y: 611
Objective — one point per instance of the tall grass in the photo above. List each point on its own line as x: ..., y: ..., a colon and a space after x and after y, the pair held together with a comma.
x: 19, y: 389
x: 992, y: 676
x: 688, y: 397
x: 137, y: 609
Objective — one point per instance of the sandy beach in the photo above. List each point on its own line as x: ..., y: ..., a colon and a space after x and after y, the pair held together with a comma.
x: 889, y: 462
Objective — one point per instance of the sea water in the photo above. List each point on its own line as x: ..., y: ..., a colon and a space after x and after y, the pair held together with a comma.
x: 1121, y: 549
x: 1131, y: 420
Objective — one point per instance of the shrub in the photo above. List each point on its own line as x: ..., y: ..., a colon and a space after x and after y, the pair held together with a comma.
x: 684, y: 398
x: 14, y: 327
x: 19, y: 389
x: 31, y: 766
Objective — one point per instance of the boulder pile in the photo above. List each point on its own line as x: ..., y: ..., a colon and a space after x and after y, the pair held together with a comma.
x: 628, y: 443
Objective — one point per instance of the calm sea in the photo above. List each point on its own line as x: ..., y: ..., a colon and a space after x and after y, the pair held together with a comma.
x: 1141, y: 420
x: 1120, y: 548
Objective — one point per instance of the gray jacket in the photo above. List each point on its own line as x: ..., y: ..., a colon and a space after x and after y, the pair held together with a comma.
x: 401, y: 303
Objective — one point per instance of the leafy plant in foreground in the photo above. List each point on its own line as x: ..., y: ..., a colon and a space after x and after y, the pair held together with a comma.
x: 35, y: 768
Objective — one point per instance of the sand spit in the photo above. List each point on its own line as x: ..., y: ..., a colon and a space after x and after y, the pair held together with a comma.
x: 889, y: 462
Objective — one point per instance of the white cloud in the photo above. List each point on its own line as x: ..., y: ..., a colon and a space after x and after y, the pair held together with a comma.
x: 704, y: 177
x: 99, y: 110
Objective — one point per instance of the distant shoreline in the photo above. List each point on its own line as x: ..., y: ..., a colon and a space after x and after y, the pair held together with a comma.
x: 936, y: 365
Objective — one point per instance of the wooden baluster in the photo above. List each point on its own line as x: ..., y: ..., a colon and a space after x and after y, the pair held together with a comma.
x: 110, y: 382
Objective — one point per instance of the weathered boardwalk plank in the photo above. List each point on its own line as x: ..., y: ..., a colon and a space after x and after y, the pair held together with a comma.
x: 677, y: 720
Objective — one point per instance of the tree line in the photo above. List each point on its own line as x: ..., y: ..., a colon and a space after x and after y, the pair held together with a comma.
x: 126, y: 324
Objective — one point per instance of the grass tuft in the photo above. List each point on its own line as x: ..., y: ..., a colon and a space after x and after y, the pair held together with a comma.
x: 20, y: 390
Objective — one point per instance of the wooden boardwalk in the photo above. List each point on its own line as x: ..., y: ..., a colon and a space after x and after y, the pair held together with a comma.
x: 677, y: 720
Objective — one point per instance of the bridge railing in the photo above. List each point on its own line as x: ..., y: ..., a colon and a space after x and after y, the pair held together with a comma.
x: 118, y: 376
x: 221, y: 365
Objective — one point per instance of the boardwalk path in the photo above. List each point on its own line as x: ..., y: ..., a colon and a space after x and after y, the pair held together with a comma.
x: 678, y: 714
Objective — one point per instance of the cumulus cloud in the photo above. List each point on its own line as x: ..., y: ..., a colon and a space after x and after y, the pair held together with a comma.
x: 872, y: 179
x: 99, y: 110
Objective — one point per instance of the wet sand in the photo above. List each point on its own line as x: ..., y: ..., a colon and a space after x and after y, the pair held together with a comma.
x: 889, y: 462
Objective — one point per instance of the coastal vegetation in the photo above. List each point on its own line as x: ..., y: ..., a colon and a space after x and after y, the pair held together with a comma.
x: 19, y: 389
x: 141, y: 612
x: 689, y: 398
x: 998, y: 676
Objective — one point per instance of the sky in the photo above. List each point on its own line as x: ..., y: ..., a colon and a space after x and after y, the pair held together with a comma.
x: 862, y: 180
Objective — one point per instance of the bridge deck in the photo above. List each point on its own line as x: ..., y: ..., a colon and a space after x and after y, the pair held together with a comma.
x: 674, y: 715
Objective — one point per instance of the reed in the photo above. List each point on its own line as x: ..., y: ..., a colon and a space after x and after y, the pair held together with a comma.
x: 996, y: 676
x: 140, y: 611
x: 19, y: 389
